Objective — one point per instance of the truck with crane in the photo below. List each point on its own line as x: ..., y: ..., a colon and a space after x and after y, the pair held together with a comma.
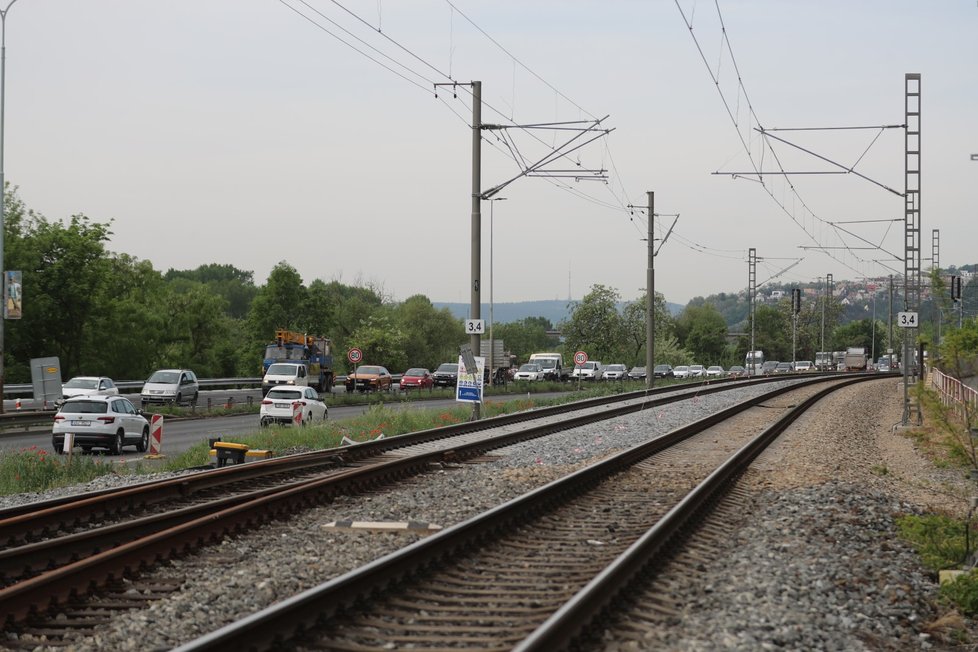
x: 312, y: 351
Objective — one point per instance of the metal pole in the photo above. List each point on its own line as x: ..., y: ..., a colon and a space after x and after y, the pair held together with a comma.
x: 873, y: 355
x: 476, y: 296
x: 650, y: 304
x: 3, y: 183
x: 492, y: 342
x: 820, y: 291
x: 889, y: 325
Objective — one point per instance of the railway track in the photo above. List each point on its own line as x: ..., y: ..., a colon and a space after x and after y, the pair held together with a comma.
x: 64, y: 548
x: 541, y: 572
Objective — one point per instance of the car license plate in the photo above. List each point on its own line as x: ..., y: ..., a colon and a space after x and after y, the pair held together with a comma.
x: 80, y: 423
x: 281, y: 405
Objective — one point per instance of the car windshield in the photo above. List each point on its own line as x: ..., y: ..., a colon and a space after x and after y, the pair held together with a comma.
x: 85, y: 407
x: 530, y: 367
x: 736, y: 368
x: 715, y: 369
x: 415, y: 372
x: 662, y: 367
x: 369, y: 370
x: 682, y: 368
x: 547, y: 363
x: 616, y: 367
x: 82, y: 383
x: 448, y: 368
x: 282, y: 369
x: 165, y: 377
x: 284, y: 394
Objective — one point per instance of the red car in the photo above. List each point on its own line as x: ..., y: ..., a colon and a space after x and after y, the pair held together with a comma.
x: 417, y: 378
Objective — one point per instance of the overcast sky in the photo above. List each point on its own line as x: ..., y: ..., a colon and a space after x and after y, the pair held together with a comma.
x: 241, y: 132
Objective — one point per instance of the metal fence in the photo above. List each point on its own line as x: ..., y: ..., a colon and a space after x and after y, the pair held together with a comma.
x: 954, y: 394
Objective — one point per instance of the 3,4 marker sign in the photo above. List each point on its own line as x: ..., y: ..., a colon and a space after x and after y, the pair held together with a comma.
x: 475, y: 327
x: 907, y: 320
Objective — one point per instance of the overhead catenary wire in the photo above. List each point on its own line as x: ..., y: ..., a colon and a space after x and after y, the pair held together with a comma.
x: 734, y: 115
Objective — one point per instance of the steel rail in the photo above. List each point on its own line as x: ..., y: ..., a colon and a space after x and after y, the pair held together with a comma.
x: 189, y: 528
x: 563, y: 628
x: 42, y: 515
x: 276, y: 624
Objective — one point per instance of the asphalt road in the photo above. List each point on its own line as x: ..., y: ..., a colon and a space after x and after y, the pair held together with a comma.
x: 179, y: 434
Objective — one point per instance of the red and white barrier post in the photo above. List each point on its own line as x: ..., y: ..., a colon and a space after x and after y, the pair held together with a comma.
x: 156, y: 434
x: 297, y: 413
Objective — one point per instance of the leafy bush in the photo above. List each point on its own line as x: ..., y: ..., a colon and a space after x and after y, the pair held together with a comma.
x: 938, y: 539
x: 962, y: 591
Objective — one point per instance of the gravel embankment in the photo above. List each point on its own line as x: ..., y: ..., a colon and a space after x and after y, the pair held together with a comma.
x: 825, y: 499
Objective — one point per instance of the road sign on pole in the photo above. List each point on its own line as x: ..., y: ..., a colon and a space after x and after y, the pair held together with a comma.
x: 354, y: 355
x: 907, y: 319
x: 580, y: 358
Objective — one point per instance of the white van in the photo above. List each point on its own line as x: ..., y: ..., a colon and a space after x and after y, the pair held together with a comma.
x: 553, y: 365
x: 285, y: 373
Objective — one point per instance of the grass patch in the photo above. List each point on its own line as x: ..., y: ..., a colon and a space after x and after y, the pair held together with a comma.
x: 35, y: 469
x: 937, y: 538
x: 378, y: 420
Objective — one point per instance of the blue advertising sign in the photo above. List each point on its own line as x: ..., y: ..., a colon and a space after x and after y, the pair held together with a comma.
x: 469, y: 387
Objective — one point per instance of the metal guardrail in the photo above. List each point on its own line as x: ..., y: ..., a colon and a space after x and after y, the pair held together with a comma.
x: 27, y: 388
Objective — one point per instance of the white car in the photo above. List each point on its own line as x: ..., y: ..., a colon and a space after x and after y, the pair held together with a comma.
x: 716, y: 371
x: 87, y: 386
x: 281, y: 404
x: 614, y: 372
x: 529, y: 371
x: 696, y: 371
x: 588, y: 371
x: 172, y: 386
x: 803, y: 365
x: 100, y: 422
x: 682, y: 371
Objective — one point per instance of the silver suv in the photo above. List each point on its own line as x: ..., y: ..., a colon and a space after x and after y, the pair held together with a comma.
x: 173, y: 386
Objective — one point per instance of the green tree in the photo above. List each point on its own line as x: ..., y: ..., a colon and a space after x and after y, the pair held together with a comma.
x: 431, y: 336
x: 382, y: 342
x: 526, y: 336
x: 703, y: 331
x: 596, y: 326
x: 634, y: 328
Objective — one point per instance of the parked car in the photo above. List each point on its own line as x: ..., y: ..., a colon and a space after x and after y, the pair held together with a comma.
x: 784, y: 368
x: 681, y: 371
x: 529, y: 371
x: 590, y: 370
x: 280, y: 404
x: 804, y: 365
x: 769, y: 366
x: 638, y: 373
x: 696, y: 371
x: 100, y: 422
x: 87, y: 386
x: 369, y: 378
x: 716, y: 371
x: 446, y: 375
x: 662, y: 371
x: 418, y: 378
x: 614, y: 372
x: 172, y: 386
x: 737, y: 371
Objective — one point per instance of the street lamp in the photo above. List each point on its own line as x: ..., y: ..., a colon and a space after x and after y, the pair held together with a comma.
x: 3, y: 69
x: 492, y: 343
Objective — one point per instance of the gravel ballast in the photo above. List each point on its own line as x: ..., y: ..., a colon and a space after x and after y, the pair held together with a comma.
x: 839, y: 577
